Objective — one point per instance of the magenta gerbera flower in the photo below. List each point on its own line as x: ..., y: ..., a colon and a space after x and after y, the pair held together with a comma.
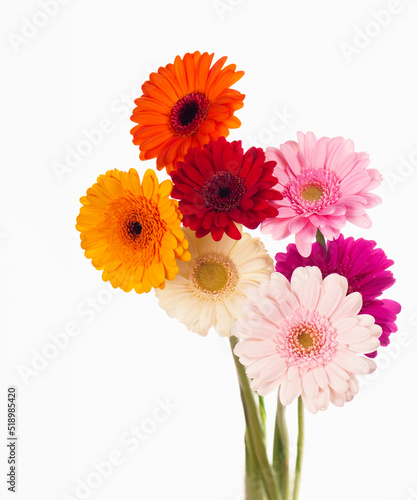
x: 219, y: 186
x: 364, y: 266
x: 324, y: 183
x: 307, y: 337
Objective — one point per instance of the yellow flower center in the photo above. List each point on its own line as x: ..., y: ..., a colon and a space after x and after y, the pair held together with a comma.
x: 214, y: 276
x: 312, y: 193
x: 211, y: 276
x: 305, y: 340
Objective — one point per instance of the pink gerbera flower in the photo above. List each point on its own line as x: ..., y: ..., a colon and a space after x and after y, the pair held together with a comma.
x: 364, y: 266
x: 307, y: 337
x: 324, y: 183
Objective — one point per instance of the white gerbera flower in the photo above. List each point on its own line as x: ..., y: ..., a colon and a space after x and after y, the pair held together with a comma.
x: 210, y: 289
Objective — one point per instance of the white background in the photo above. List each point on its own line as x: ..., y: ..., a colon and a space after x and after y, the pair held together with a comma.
x: 79, y: 68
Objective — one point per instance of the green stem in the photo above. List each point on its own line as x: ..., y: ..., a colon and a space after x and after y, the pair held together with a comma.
x: 254, y: 427
x: 254, y: 489
x: 300, y: 450
x: 320, y: 239
x: 262, y: 412
x: 281, y: 452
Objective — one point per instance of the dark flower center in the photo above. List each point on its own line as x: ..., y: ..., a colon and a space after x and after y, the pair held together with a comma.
x: 134, y: 229
x: 224, y: 191
x: 188, y: 113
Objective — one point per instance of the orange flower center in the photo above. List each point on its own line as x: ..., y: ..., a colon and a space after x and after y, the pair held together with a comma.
x: 188, y: 113
x: 134, y: 229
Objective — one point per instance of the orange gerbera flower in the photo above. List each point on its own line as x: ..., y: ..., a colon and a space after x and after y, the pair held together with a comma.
x: 185, y: 105
x: 131, y: 231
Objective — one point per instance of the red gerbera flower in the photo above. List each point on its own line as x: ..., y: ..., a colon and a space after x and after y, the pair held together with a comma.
x: 220, y: 185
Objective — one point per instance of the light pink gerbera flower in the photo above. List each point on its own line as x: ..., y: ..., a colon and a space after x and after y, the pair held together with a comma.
x: 324, y: 183
x: 306, y: 336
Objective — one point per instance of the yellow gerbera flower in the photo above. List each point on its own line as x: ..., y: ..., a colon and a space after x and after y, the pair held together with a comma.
x: 132, y: 231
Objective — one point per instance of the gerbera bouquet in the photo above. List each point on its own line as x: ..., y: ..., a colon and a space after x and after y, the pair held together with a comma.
x: 304, y: 327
